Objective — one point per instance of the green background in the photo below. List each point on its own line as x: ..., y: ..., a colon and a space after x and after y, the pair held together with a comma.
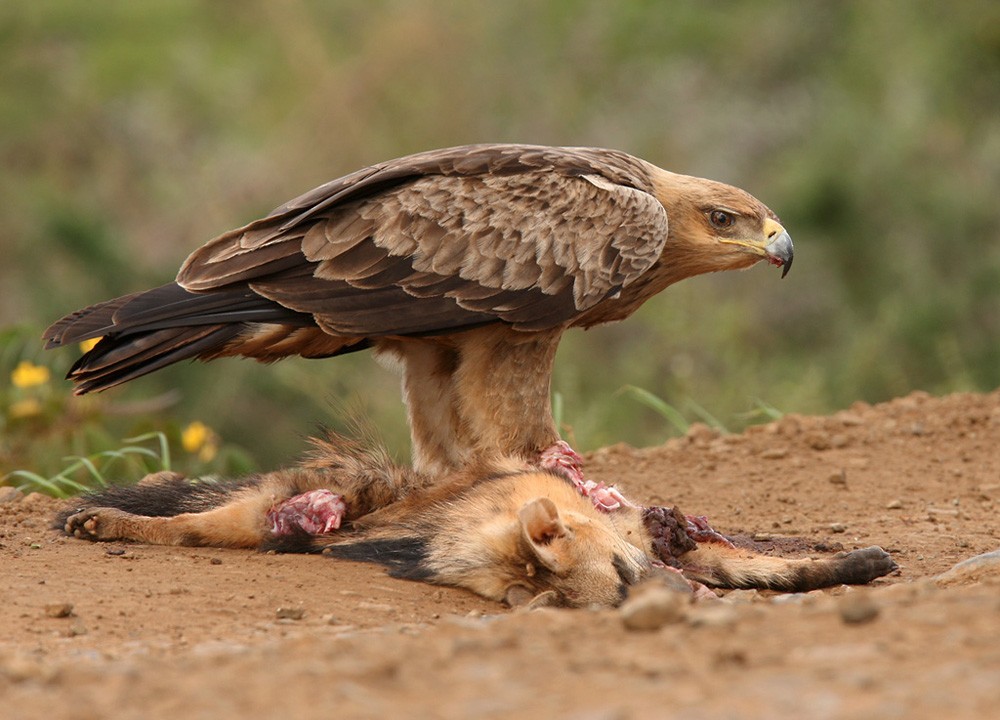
x: 132, y: 132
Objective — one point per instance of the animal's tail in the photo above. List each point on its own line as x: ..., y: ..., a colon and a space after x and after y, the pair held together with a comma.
x: 146, y: 331
x: 163, y: 494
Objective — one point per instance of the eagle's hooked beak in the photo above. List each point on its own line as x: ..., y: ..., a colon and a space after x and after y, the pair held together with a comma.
x: 779, y: 250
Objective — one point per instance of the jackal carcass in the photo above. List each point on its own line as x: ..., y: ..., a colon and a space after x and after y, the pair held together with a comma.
x: 504, y: 529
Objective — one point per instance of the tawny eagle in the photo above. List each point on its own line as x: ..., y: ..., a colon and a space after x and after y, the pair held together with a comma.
x: 463, y: 265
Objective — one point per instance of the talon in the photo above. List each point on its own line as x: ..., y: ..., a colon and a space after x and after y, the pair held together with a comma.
x: 564, y: 460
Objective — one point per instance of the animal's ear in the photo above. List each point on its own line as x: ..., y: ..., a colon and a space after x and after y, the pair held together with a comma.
x: 540, y: 525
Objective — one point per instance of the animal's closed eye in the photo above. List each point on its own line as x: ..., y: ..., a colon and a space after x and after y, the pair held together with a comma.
x: 626, y: 573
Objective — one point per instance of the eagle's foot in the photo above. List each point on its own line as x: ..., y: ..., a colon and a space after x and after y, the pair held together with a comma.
x: 562, y: 459
x: 313, y: 513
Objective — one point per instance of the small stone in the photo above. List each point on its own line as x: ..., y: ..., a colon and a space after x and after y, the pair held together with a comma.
x: 742, y: 596
x: 838, y: 477
x: 290, y: 613
x: 701, y: 432
x: 857, y: 608
x: 774, y: 454
x: 838, y: 527
x: 896, y: 504
x: 10, y: 494
x: 76, y: 629
x: 652, y: 608
x: 713, y: 615
x: 828, y: 547
x: 972, y: 570
x: 59, y: 610
x: 789, y: 599
x: 818, y: 442
x: 216, y: 561
x: 848, y: 419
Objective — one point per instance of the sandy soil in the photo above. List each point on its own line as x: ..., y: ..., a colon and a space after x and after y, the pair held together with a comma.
x: 118, y: 630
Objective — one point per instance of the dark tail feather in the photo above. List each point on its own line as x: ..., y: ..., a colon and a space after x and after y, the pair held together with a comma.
x: 146, y: 331
x: 169, y: 306
x: 116, y: 360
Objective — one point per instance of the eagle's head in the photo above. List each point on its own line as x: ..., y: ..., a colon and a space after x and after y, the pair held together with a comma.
x: 714, y: 226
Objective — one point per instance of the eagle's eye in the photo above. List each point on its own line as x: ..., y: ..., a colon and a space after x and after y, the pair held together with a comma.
x: 721, y: 219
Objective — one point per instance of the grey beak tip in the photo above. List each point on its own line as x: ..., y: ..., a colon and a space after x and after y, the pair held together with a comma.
x: 782, y: 251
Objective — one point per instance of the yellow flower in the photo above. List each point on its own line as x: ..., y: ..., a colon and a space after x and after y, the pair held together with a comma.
x: 199, y: 438
x: 27, y: 374
x: 29, y: 407
x: 88, y: 345
x: 194, y: 436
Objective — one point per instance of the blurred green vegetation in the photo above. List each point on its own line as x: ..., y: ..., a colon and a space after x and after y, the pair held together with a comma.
x: 132, y: 132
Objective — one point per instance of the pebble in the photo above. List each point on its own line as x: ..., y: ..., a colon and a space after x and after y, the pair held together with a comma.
x: 653, y: 608
x: 849, y: 419
x: 10, y: 494
x: 857, y: 608
x: 972, y: 569
x: 838, y: 527
x: 896, y: 504
x: 742, y: 596
x: 838, y: 477
x: 774, y: 454
x: 59, y: 610
x: 20, y: 668
x: 713, y: 615
x: 290, y: 613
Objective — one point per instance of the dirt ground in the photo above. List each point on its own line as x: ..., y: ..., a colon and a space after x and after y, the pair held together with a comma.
x: 131, y: 631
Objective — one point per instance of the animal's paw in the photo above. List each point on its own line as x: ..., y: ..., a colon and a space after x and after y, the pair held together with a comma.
x: 313, y: 513
x: 858, y: 567
x: 93, y: 524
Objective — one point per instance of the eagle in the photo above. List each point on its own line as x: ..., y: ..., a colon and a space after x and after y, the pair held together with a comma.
x: 461, y: 266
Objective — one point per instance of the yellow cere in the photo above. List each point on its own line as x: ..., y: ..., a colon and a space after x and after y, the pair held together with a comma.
x: 27, y: 374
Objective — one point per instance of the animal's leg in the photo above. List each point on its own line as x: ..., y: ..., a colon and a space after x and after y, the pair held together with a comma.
x: 313, y: 513
x: 502, y: 388
x: 239, y: 523
x: 721, y: 566
x: 436, y: 432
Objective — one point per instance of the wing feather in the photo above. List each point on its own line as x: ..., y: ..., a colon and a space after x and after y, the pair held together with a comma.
x: 443, y: 240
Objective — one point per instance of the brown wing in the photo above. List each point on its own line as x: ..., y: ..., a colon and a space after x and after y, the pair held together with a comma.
x: 448, y: 239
